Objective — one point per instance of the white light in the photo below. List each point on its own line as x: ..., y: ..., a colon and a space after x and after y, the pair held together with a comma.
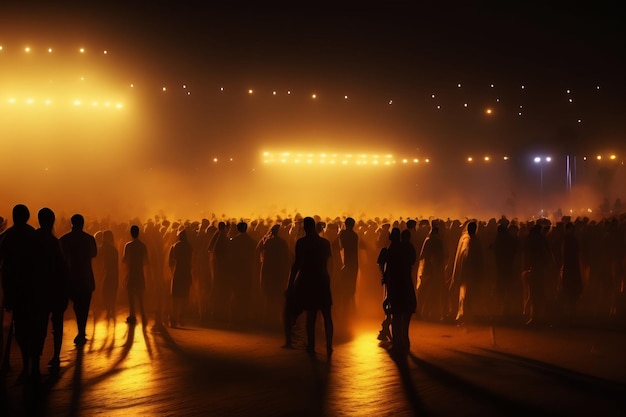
x: 188, y: 93
x: 119, y: 105
x: 29, y: 101
x: 106, y: 52
x: 288, y: 92
x: 314, y: 96
x: 571, y: 100
x: 390, y: 101
x: 548, y: 159
x: 77, y: 102
x: 580, y: 121
x: 523, y: 87
x: 568, y: 91
x: 94, y: 103
x: 465, y: 105
x: 11, y: 101
x: 164, y: 89
x: 273, y: 93
x: 49, y: 50
x: 132, y: 85
x: 214, y: 159
x: 345, y: 97
x: 184, y: 86
x: 221, y: 88
x: 432, y: 96
x: 250, y: 91
x: 491, y: 85
x: 1, y: 47
x: 537, y: 159
x: 48, y: 102
x: 27, y: 49
x: 438, y: 107
x: 81, y: 50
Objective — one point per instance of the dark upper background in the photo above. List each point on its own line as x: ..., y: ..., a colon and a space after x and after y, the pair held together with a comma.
x: 377, y: 52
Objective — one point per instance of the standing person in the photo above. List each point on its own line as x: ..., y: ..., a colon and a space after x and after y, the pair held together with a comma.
x: 397, y: 262
x: 245, y: 286
x: 467, y: 273
x: 432, y: 276
x: 110, y: 265
x: 219, y: 254
x: 309, y: 281
x: 19, y: 274
x: 52, y: 281
x: 80, y: 249
x: 275, y: 264
x: 136, y: 260
x: 180, y: 262
x: 349, y: 245
x: 571, y: 284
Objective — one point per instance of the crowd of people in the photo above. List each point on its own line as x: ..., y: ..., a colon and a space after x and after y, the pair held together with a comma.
x: 266, y: 272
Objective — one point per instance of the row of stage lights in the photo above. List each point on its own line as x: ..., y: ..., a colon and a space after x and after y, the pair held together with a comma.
x: 362, y: 159
x: 72, y: 103
x: 488, y: 111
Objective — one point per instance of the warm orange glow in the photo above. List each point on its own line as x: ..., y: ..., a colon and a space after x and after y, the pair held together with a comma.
x: 488, y: 111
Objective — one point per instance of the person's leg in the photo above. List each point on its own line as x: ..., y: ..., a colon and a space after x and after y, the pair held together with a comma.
x: 311, y: 318
x: 131, y: 307
x: 328, y: 330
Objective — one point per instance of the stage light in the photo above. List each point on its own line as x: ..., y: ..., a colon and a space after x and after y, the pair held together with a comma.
x: 119, y: 105
x: 537, y: 159
x: 77, y: 102
x: 613, y: 157
x: 314, y: 96
x: 81, y: 50
x: 164, y: 89
x: 487, y: 159
x: 345, y: 97
x: 27, y: 49
x: 488, y: 111
x: 29, y: 101
x: 50, y: 50
x: 470, y: 159
x: 105, y: 52
x: 250, y: 91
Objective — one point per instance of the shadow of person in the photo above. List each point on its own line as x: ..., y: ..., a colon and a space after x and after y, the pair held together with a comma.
x: 77, y: 382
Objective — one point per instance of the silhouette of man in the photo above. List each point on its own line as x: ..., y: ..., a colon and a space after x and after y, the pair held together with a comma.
x: 310, y: 282
x: 53, y: 277
x: 180, y: 261
x: 80, y: 249
x: 349, y: 245
x: 243, y: 249
x: 136, y: 259
x: 275, y: 266
x: 18, y: 262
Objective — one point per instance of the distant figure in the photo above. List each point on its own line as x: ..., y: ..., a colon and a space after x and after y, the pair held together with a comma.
x: 536, y: 255
x: 397, y: 261
x: 80, y: 249
x: 275, y: 264
x: 180, y: 262
x: 467, y: 273
x: 220, y: 255
x: 571, y: 284
x: 18, y: 260
x: 245, y: 286
x: 432, y: 276
x: 110, y: 269
x: 349, y: 246
x: 53, y: 276
x: 309, y: 281
x: 505, y: 248
x: 136, y: 260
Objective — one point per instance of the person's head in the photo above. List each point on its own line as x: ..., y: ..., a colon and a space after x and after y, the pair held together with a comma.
x: 309, y: 225
x: 349, y: 223
x: 20, y: 214
x: 107, y: 237
x: 78, y: 222
x: 275, y: 230
x: 182, y: 235
x: 394, y: 236
x: 405, y: 236
x: 411, y: 224
x: 134, y: 231
x: 221, y: 226
x: 242, y: 227
x: 46, y: 218
x: 471, y: 228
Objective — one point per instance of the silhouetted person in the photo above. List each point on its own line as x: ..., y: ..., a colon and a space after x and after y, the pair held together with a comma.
x: 398, y: 262
x: 18, y: 260
x: 571, y: 278
x: 136, y: 260
x: 219, y: 251
x: 468, y: 270
x: 180, y: 261
x: 79, y: 249
x: 349, y: 245
x: 110, y: 273
x: 275, y: 264
x: 432, y: 276
x: 505, y: 249
x: 245, y: 286
x: 310, y: 282
x: 52, y: 283
x: 535, y: 265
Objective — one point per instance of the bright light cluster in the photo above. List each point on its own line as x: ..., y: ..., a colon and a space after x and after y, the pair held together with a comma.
x: 77, y: 102
x: 338, y: 159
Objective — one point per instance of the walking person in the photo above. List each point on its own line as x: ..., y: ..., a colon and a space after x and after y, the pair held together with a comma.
x: 309, y: 281
x: 136, y: 260
x: 79, y: 248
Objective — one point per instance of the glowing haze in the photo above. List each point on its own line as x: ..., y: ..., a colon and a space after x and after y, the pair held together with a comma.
x: 177, y: 110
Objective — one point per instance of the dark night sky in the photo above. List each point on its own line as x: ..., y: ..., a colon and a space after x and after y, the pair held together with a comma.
x: 377, y: 52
